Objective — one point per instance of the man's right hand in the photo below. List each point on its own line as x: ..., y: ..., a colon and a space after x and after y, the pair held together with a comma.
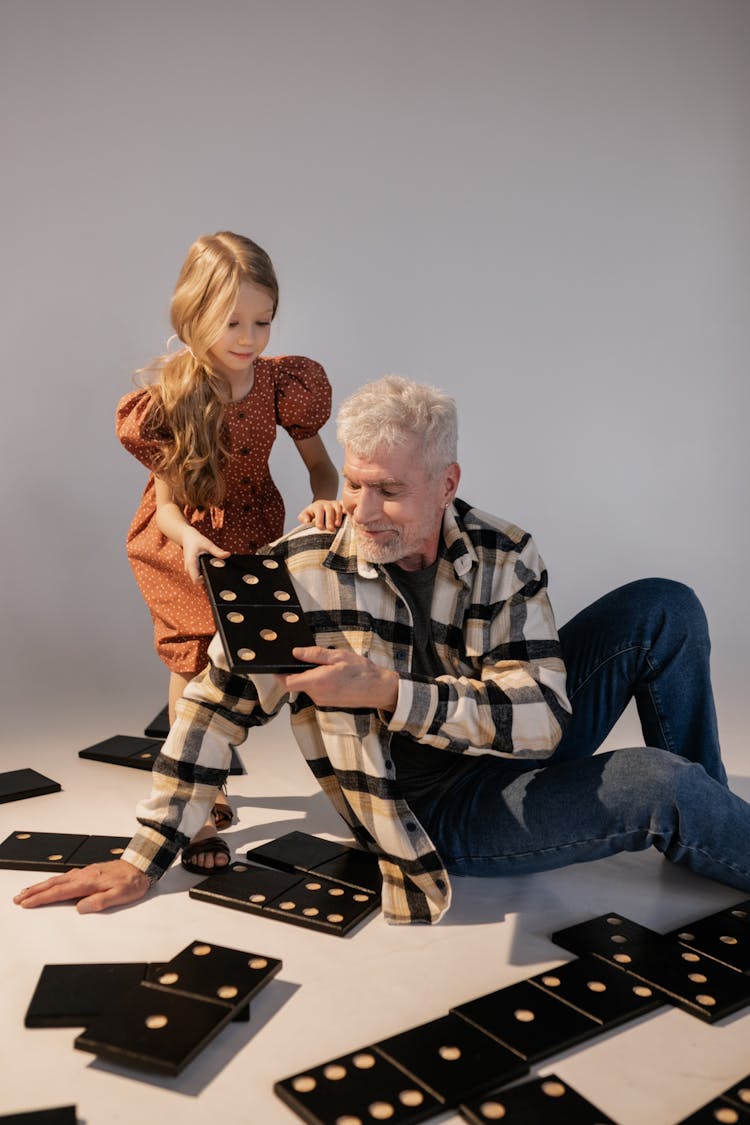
x: 97, y: 887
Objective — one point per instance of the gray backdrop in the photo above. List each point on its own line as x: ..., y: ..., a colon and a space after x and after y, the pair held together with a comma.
x: 539, y: 205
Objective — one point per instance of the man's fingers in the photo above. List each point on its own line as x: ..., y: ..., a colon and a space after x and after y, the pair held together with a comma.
x: 315, y: 654
x: 57, y: 889
x: 92, y: 904
x: 107, y: 885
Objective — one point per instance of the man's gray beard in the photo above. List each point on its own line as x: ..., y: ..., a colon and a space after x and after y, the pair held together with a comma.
x: 382, y: 553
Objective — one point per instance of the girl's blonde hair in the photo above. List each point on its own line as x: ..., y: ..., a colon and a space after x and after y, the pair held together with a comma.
x: 189, y: 395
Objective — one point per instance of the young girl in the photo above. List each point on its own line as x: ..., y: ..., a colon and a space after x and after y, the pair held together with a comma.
x: 204, y: 428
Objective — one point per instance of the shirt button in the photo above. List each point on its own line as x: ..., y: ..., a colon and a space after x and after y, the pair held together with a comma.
x: 411, y: 826
x: 245, y: 480
x: 241, y: 414
x: 245, y: 451
x: 440, y: 884
x: 246, y: 507
x: 388, y: 764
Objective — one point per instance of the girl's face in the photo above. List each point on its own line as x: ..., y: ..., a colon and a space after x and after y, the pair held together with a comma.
x: 246, y: 334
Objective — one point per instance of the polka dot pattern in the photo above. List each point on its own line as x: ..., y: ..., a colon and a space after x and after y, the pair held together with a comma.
x: 289, y: 391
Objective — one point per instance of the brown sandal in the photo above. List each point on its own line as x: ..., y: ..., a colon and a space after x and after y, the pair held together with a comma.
x: 221, y: 813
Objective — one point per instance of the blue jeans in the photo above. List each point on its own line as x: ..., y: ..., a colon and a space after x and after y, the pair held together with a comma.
x: 649, y: 641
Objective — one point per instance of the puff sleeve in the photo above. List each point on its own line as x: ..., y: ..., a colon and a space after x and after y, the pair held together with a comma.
x: 303, y: 396
x: 132, y: 429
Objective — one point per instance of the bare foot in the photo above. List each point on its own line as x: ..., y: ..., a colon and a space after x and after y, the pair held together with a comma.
x: 205, y: 852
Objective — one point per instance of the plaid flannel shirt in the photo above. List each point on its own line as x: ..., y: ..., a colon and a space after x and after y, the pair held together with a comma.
x: 502, y: 693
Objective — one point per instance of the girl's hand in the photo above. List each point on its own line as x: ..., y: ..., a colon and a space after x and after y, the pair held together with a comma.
x: 193, y: 545
x: 325, y: 514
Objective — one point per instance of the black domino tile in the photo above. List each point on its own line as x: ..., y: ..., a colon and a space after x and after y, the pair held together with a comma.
x: 154, y: 971
x: 39, y: 851
x: 98, y: 849
x: 241, y: 886
x: 58, y: 851
x: 215, y: 973
x: 355, y: 868
x: 323, y: 905
x: 137, y: 753
x: 604, y: 993
x: 261, y: 639
x: 452, y: 1059
x: 540, y: 1101
x: 154, y: 1029
x: 257, y: 612
x: 733, y: 1105
x: 250, y: 580
x: 287, y: 896
x: 725, y: 936
x: 71, y: 995
x: 528, y: 1020
x: 300, y: 851
x: 16, y: 785
x: 695, y: 983
x: 361, y: 1086
x: 124, y: 750
x: 295, y: 851
x: 59, y: 1115
x: 739, y: 1094
x: 719, y: 1111
x: 604, y: 936
x: 159, y: 725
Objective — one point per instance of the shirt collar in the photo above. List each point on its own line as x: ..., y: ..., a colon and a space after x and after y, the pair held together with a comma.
x: 458, y: 549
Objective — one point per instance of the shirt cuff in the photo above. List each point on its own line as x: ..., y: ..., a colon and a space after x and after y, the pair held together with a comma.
x: 151, y: 853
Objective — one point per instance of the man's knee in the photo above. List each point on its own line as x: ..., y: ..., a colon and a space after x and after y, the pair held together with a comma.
x: 648, y: 775
x: 675, y: 603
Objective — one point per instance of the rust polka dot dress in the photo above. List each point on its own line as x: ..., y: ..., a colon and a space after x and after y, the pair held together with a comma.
x: 289, y: 391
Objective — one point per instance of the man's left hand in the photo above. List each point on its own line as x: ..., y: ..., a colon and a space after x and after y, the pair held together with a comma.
x: 343, y: 679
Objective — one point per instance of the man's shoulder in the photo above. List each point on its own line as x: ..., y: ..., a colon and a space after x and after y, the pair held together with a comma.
x: 300, y: 541
x: 488, y: 531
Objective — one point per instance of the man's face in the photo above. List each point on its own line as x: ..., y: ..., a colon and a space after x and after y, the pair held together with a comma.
x: 395, y: 507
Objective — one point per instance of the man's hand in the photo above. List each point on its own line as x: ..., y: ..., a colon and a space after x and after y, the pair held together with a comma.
x: 343, y: 679
x: 97, y: 887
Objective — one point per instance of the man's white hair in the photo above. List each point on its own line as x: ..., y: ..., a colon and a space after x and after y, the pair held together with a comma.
x: 395, y: 411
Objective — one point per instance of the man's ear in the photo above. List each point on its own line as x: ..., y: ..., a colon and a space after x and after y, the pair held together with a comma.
x: 451, y: 479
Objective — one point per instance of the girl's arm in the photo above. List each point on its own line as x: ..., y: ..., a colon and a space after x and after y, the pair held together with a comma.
x: 324, y: 511
x: 171, y: 522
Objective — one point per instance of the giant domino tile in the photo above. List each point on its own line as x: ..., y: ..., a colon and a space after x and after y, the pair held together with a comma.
x: 302, y: 879
x: 256, y: 611
x: 154, y: 1017
x: 465, y: 1059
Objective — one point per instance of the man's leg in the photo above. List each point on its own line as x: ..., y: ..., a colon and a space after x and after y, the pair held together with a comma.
x: 647, y: 640
x: 506, y: 818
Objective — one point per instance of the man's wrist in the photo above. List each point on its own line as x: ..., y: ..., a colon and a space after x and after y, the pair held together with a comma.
x: 388, y: 694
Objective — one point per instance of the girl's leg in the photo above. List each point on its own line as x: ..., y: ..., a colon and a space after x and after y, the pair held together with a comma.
x: 221, y: 815
x: 648, y: 641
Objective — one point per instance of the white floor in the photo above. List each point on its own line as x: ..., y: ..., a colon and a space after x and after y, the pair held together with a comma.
x: 332, y: 995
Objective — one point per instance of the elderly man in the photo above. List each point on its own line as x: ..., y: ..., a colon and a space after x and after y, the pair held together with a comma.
x: 449, y: 725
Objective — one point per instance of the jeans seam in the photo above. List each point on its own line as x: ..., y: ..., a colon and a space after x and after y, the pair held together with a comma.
x: 602, y: 663
x: 549, y: 850
x: 654, y: 697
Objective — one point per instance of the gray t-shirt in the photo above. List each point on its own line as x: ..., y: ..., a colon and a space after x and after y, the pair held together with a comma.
x: 422, y: 771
